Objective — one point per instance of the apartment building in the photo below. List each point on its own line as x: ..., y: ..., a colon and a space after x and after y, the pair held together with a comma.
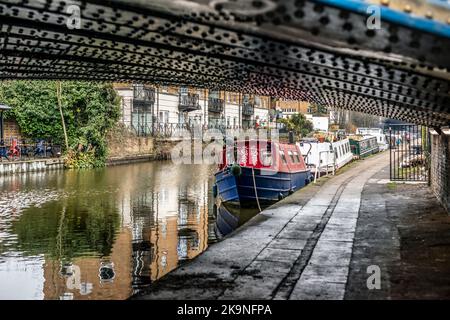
x: 291, y: 107
x: 144, y: 106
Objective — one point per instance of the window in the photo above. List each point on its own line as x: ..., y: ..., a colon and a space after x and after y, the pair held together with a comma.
x: 266, y: 158
x: 163, y: 116
x: 297, y: 156
x: 257, y: 100
x: 184, y: 90
x: 214, y: 94
x: 291, y: 155
x: 283, y: 156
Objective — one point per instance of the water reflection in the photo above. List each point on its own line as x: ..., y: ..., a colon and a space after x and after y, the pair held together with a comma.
x: 102, y: 234
x: 230, y: 218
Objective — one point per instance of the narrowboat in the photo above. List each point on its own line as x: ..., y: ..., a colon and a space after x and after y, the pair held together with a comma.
x: 259, y: 171
x: 342, y: 152
x: 318, y: 156
x: 363, y: 146
x: 377, y: 133
x: 322, y: 157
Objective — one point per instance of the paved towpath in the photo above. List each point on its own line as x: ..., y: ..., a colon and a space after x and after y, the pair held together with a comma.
x: 301, y: 248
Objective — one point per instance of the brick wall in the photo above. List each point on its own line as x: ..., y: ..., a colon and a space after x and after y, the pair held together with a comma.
x: 122, y: 143
x: 11, y: 129
x: 440, y: 168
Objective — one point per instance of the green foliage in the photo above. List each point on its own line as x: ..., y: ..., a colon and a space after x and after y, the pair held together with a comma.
x: 298, y: 124
x: 318, y: 110
x: 90, y: 110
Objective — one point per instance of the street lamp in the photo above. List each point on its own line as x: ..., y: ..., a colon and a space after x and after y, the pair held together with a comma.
x: 3, y: 107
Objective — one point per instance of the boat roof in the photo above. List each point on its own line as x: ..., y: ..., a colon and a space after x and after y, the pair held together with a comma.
x: 360, y: 137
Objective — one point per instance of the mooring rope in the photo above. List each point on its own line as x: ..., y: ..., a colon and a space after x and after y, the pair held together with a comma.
x: 256, y: 192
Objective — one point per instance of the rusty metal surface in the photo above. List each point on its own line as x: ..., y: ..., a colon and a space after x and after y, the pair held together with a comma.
x: 298, y: 49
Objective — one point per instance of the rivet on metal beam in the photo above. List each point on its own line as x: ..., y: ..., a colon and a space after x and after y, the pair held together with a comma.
x: 408, y: 9
x: 385, y: 3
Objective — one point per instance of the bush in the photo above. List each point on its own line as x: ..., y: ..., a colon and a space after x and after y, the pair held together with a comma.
x: 90, y: 110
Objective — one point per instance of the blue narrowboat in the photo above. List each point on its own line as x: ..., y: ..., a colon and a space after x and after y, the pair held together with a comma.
x: 260, y: 171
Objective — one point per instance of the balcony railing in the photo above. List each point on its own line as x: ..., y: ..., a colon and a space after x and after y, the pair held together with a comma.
x: 189, y: 102
x: 143, y: 98
x: 216, y: 105
x: 248, y: 109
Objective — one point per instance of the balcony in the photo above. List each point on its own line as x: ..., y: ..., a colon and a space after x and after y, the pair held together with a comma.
x: 216, y: 105
x: 248, y: 109
x: 189, y: 102
x: 143, y: 98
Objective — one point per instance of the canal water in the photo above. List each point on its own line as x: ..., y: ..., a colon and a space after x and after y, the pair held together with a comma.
x: 101, y: 234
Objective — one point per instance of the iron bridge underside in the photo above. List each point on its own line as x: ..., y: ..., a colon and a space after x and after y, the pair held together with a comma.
x: 313, y: 50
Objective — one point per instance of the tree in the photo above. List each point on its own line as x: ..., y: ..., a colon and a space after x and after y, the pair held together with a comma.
x: 89, y: 111
x: 318, y: 110
x: 298, y: 124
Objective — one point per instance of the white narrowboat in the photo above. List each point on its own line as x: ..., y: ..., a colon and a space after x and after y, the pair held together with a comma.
x: 323, y: 157
x: 342, y: 152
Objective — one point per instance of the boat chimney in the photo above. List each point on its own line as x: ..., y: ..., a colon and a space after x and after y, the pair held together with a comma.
x: 291, y: 137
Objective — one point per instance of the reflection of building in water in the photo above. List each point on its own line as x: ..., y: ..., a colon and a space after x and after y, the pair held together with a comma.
x: 164, y: 220
x: 181, y: 234
x: 87, y: 278
x: 168, y: 221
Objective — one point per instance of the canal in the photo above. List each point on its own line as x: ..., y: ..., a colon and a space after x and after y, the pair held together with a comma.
x: 101, y: 234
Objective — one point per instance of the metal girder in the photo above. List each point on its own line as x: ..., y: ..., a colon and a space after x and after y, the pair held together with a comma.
x: 315, y: 50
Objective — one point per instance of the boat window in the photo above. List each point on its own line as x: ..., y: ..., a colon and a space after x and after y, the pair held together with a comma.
x: 291, y: 155
x: 230, y: 156
x: 266, y: 158
x: 283, y: 156
x: 297, y: 156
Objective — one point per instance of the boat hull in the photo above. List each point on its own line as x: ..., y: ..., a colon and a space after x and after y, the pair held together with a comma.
x: 269, y: 188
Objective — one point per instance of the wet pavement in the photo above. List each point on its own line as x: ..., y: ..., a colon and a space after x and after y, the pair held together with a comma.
x: 319, y: 242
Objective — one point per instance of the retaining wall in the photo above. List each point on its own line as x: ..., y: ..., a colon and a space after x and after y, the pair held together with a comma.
x: 7, y: 167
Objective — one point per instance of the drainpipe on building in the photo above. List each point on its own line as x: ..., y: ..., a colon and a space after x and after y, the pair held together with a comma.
x: 157, y: 104
x: 205, y: 112
x: 239, y: 111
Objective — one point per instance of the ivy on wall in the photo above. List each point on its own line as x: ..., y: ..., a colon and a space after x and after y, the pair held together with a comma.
x: 90, y: 109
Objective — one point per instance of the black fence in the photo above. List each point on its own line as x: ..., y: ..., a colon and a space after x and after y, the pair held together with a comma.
x: 176, y: 130
x: 409, y: 152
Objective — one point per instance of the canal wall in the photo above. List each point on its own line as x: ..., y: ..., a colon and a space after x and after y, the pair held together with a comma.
x: 125, y: 147
x: 440, y: 168
x: 7, y: 167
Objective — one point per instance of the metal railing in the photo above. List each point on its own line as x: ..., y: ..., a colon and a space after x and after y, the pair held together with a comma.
x: 143, y: 97
x: 216, y: 105
x: 176, y: 130
x: 163, y: 130
x: 189, y: 102
x: 14, y: 149
x: 248, y: 109
x: 409, y: 148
